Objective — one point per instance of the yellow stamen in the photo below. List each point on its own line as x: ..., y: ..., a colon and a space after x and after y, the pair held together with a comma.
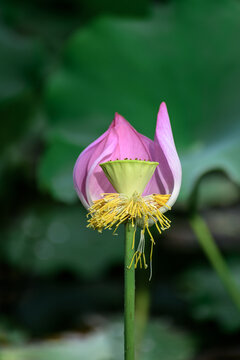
x: 133, y: 243
x: 114, y: 209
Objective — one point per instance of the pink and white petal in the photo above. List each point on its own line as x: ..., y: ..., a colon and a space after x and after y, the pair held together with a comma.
x: 122, y: 141
x: 169, y: 171
x: 157, y: 184
x: 131, y: 144
x: 81, y: 166
x: 96, y: 181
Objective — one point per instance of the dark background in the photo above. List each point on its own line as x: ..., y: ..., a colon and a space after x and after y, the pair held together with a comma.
x: 65, y: 68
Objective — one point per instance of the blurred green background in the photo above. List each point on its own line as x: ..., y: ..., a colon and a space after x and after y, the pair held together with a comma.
x: 65, y: 67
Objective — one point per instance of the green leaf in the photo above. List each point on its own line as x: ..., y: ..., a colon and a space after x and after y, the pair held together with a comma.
x: 162, y: 341
x: 21, y: 70
x: 53, y: 22
x: 208, y: 300
x: 55, y: 171
x: 10, y: 334
x: 21, y: 67
x: 51, y: 238
x: 185, y: 53
x: 124, y: 7
x: 47, y: 21
x: 211, y: 185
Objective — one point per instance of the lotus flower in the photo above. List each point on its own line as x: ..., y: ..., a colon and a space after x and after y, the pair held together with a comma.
x: 124, y: 176
x: 122, y: 141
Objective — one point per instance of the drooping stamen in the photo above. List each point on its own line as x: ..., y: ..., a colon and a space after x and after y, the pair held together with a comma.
x: 114, y: 209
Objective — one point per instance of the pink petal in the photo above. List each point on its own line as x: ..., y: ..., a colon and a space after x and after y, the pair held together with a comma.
x: 123, y: 141
x: 96, y: 181
x: 120, y: 141
x: 83, y: 162
x: 168, y: 175
x: 131, y: 144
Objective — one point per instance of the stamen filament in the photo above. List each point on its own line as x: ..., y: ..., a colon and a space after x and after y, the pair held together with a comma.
x: 113, y: 209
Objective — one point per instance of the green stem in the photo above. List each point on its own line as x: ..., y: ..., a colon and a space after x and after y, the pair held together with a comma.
x: 142, y: 310
x: 129, y: 295
x: 211, y: 250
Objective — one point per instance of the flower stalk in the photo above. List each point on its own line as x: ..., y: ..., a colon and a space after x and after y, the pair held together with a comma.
x: 143, y: 299
x: 214, y: 255
x: 123, y: 177
x: 129, y: 294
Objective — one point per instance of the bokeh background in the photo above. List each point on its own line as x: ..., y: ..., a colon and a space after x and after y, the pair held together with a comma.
x: 65, y: 68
